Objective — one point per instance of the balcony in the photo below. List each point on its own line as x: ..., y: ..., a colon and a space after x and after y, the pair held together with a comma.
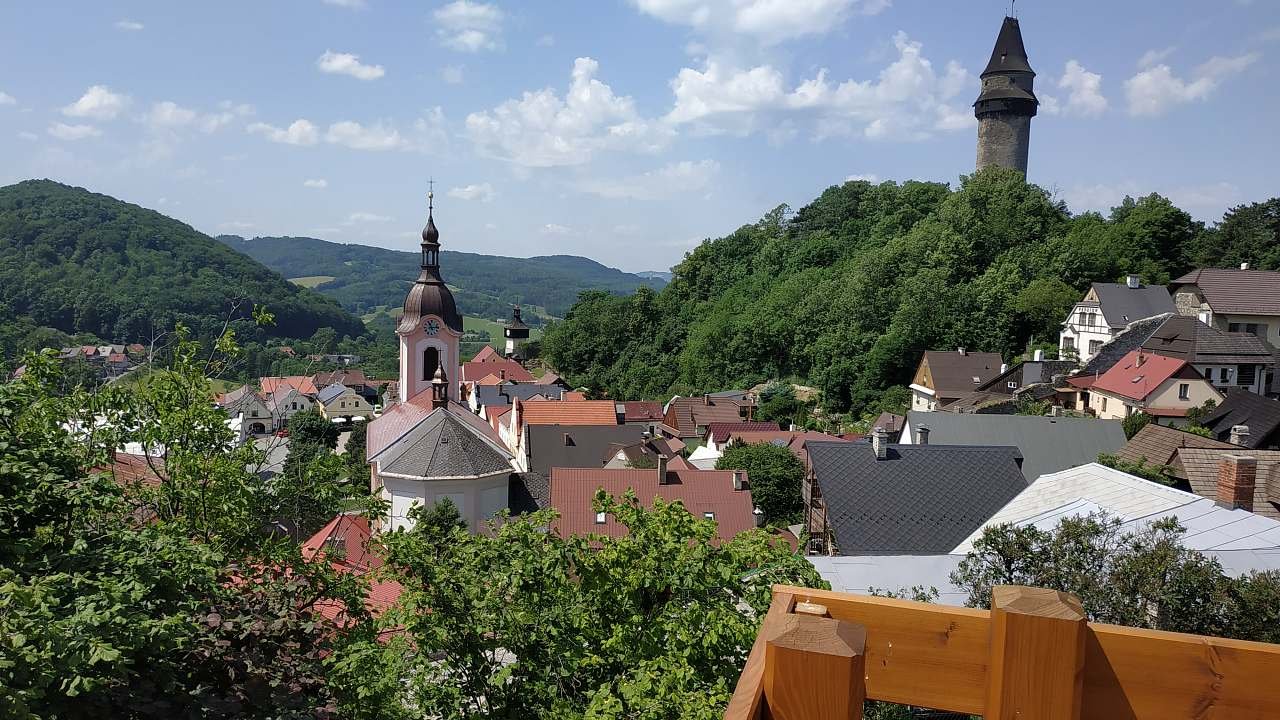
x: 820, y: 654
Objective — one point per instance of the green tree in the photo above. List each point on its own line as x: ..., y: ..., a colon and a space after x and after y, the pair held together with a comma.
x: 310, y: 427
x: 775, y: 474
x: 1134, y: 423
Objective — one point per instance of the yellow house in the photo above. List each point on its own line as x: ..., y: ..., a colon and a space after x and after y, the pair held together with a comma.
x: 1154, y: 384
x: 340, y: 401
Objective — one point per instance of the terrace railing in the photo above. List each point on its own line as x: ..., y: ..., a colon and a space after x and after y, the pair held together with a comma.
x: 1033, y: 656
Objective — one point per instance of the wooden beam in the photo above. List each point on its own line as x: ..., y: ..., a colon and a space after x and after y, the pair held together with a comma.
x: 1037, y: 654
x: 933, y: 656
x: 1135, y: 674
x: 813, y: 668
x: 747, y: 702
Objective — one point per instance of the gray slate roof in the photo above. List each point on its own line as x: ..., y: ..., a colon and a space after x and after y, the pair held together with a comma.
x: 1048, y: 444
x: 920, y: 499
x: 1189, y: 339
x: 1241, y: 407
x: 331, y: 392
x: 577, y: 446
x: 502, y: 394
x: 443, y: 446
x: 1126, y: 342
x: 1028, y: 372
x: 1122, y: 304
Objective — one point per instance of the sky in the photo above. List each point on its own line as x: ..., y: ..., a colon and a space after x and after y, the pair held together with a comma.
x: 624, y: 130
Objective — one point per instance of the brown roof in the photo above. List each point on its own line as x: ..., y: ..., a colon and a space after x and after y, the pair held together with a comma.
x: 569, y: 412
x: 640, y: 410
x: 720, y: 431
x: 1201, y: 468
x: 1159, y: 445
x: 486, y: 354
x: 701, y: 491
x: 890, y: 422
x: 1254, y: 292
x: 954, y: 373
x: 502, y: 367
x: 350, y: 378
x: 794, y: 440
x: 1189, y: 339
x: 686, y: 414
x: 301, y: 383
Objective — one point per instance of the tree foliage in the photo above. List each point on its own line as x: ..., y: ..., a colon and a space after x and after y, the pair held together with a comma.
x: 775, y: 474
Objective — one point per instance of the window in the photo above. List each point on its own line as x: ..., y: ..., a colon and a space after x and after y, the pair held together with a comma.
x: 1011, y: 385
x: 1184, y: 391
x: 709, y: 515
x: 342, y: 404
x: 1247, y: 375
x: 1104, y: 404
x: 1223, y: 373
x: 1259, y: 329
x: 1094, y: 346
x: 1068, y: 342
x: 599, y: 518
x: 295, y: 406
x: 430, y: 361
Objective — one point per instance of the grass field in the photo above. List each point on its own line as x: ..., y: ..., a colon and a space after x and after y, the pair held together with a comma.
x: 311, y: 281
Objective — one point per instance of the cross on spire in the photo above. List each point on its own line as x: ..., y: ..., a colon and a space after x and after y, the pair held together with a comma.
x: 431, y: 194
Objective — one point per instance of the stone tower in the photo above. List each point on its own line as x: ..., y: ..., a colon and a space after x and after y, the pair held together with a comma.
x: 1007, y: 103
x: 430, y: 329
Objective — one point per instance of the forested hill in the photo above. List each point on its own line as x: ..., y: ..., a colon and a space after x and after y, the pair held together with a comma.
x: 366, y: 277
x: 848, y: 292
x: 81, y: 262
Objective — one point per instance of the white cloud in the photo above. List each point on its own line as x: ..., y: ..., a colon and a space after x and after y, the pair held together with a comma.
x: 1152, y: 57
x: 556, y: 229
x: 360, y: 137
x: 353, y: 4
x: 1206, y: 201
x: 129, y: 25
x: 236, y: 225
x: 62, y: 131
x: 479, y: 191
x: 674, y: 178
x: 768, y: 21
x: 869, y: 177
x: 541, y: 129
x: 1085, y: 91
x: 317, y: 183
x: 908, y: 100
x: 348, y: 64
x: 28, y: 136
x: 7, y: 99
x: 451, y: 74
x: 545, y: 41
x: 356, y: 218
x: 299, y: 132
x: 1154, y: 90
x: 168, y: 115
x: 469, y: 26
x: 98, y: 103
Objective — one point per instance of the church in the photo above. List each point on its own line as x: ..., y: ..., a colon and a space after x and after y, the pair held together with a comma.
x: 427, y: 446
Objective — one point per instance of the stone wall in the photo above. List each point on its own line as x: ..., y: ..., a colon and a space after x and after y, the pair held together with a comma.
x: 1004, y: 140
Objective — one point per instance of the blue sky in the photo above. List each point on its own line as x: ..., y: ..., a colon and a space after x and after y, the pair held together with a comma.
x: 623, y: 130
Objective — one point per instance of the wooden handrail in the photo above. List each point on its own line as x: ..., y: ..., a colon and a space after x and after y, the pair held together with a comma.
x: 941, y: 657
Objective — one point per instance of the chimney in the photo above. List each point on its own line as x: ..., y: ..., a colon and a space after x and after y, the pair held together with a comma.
x: 1237, y: 475
x: 1004, y: 367
x: 1239, y: 435
x: 706, y: 399
x: 880, y: 442
x: 758, y: 514
x: 737, y: 480
x: 1137, y: 362
x: 662, y: 468
x: 1133, y: 281
x: 922, y: 435
x: 1244, y: 266
x: 1039, y: 356
x: 960, y: 350
x: 792, y: 427
x: 502, y: 374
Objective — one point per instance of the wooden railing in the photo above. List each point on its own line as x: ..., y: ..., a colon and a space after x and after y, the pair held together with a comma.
x: 819, y: 654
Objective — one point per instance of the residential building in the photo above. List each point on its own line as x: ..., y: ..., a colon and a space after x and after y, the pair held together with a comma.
x: 353, y: 378
x: 687, y: 418
x: 301, y: 383
x: 504, y: 393
x: 576, y: 446
x: 1106, y: 310
x: 648, y: 452
x: 641, y: 412
x: 1157, y: 445
x: 723, y: 496
x: 717, y: 435
x: 286, y: 402
x: 1026, y: 373
x: 1155, y: 384
x: 550, y: 378
x: 345, y: 542
x: 943, y: 377
x: 502, y: 369
x: 878, y: 497
x: 891, y: 423
x: 1235, y: 300
x: 1047, y: 444
x: 514, y: 426
x: 797, y: 441
x: 251, y: 407
x: 338, y: 401
x: 1246, y: 419
x: 1226, y: 359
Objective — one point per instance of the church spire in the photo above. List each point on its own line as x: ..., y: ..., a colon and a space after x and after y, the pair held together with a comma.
x: 430, y: 243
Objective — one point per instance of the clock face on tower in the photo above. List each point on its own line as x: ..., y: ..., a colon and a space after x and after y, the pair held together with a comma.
x: 431, y: 326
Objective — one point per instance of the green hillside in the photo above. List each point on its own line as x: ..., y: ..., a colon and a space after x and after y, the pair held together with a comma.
x: 77, y: 262
x: 364, y: 277
x: 846, y: 294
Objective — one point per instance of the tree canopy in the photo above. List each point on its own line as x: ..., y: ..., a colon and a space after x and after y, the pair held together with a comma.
x: 775, y: 474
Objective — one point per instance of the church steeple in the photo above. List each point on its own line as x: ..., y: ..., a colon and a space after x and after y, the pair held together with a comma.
x: 430, y: 329
x: 430, y: 244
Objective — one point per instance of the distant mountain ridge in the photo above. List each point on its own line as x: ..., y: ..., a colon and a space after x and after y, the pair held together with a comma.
x: 82, y: 262
x: 366, y: 278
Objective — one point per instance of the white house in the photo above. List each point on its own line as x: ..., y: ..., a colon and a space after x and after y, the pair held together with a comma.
x: 1104, y: 313
x: 340, y: 401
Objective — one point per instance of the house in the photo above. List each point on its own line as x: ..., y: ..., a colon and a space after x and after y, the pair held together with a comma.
x: 501, y: 368
x: 1241, y: 541
x: 576, y: 446
x: 1106, y: 310
x: 1234, y: 300
x: 641, y: 412
x: 486, y: 354
x: 892, y: 423
x: 720, y: 495
x: 687, y: 418
x: 877, y: 497
x: 550, y: 378
x: 648, y: 452
x: 345, y: 542
x: 797, y: 441
x: 717, y: 435
x: 301, y: 383
x: 251, y: 407
x: 1024, y: 374
x: 353, y: 378
x: 286, y: 402
x: 943, y: 377
x: 513, y: 427
x: 1225, y: 359
x: 1157, y: 445
x: 338, y: 401
x: 503, y: 394
x: 1155, y: 384
x: 1047, y: 444
x: 1259, y: 416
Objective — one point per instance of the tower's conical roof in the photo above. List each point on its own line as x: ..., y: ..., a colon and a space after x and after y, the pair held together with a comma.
x: 1009, y: 55
x: 429, y: 295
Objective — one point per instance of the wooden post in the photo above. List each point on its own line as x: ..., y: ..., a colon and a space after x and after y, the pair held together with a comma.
x: 1037, y: 655
x: 813, y: 668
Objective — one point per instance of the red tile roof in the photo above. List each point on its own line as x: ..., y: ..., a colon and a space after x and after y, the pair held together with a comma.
x: 794, y: 440
x: 641, y: 410
x: 301, y: 383
x: 574, y: 395
x: 720, y: 431
x: 701, y: 491
x: 1136, y: 379
x: 685, y: 414
x: 502, y: 367
x: 129, y: 469
x: 486, y: 354
x: 569, y: 412
x: 345, y: 542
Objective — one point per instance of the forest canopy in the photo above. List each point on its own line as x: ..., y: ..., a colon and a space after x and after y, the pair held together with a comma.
x: 846, y: 293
